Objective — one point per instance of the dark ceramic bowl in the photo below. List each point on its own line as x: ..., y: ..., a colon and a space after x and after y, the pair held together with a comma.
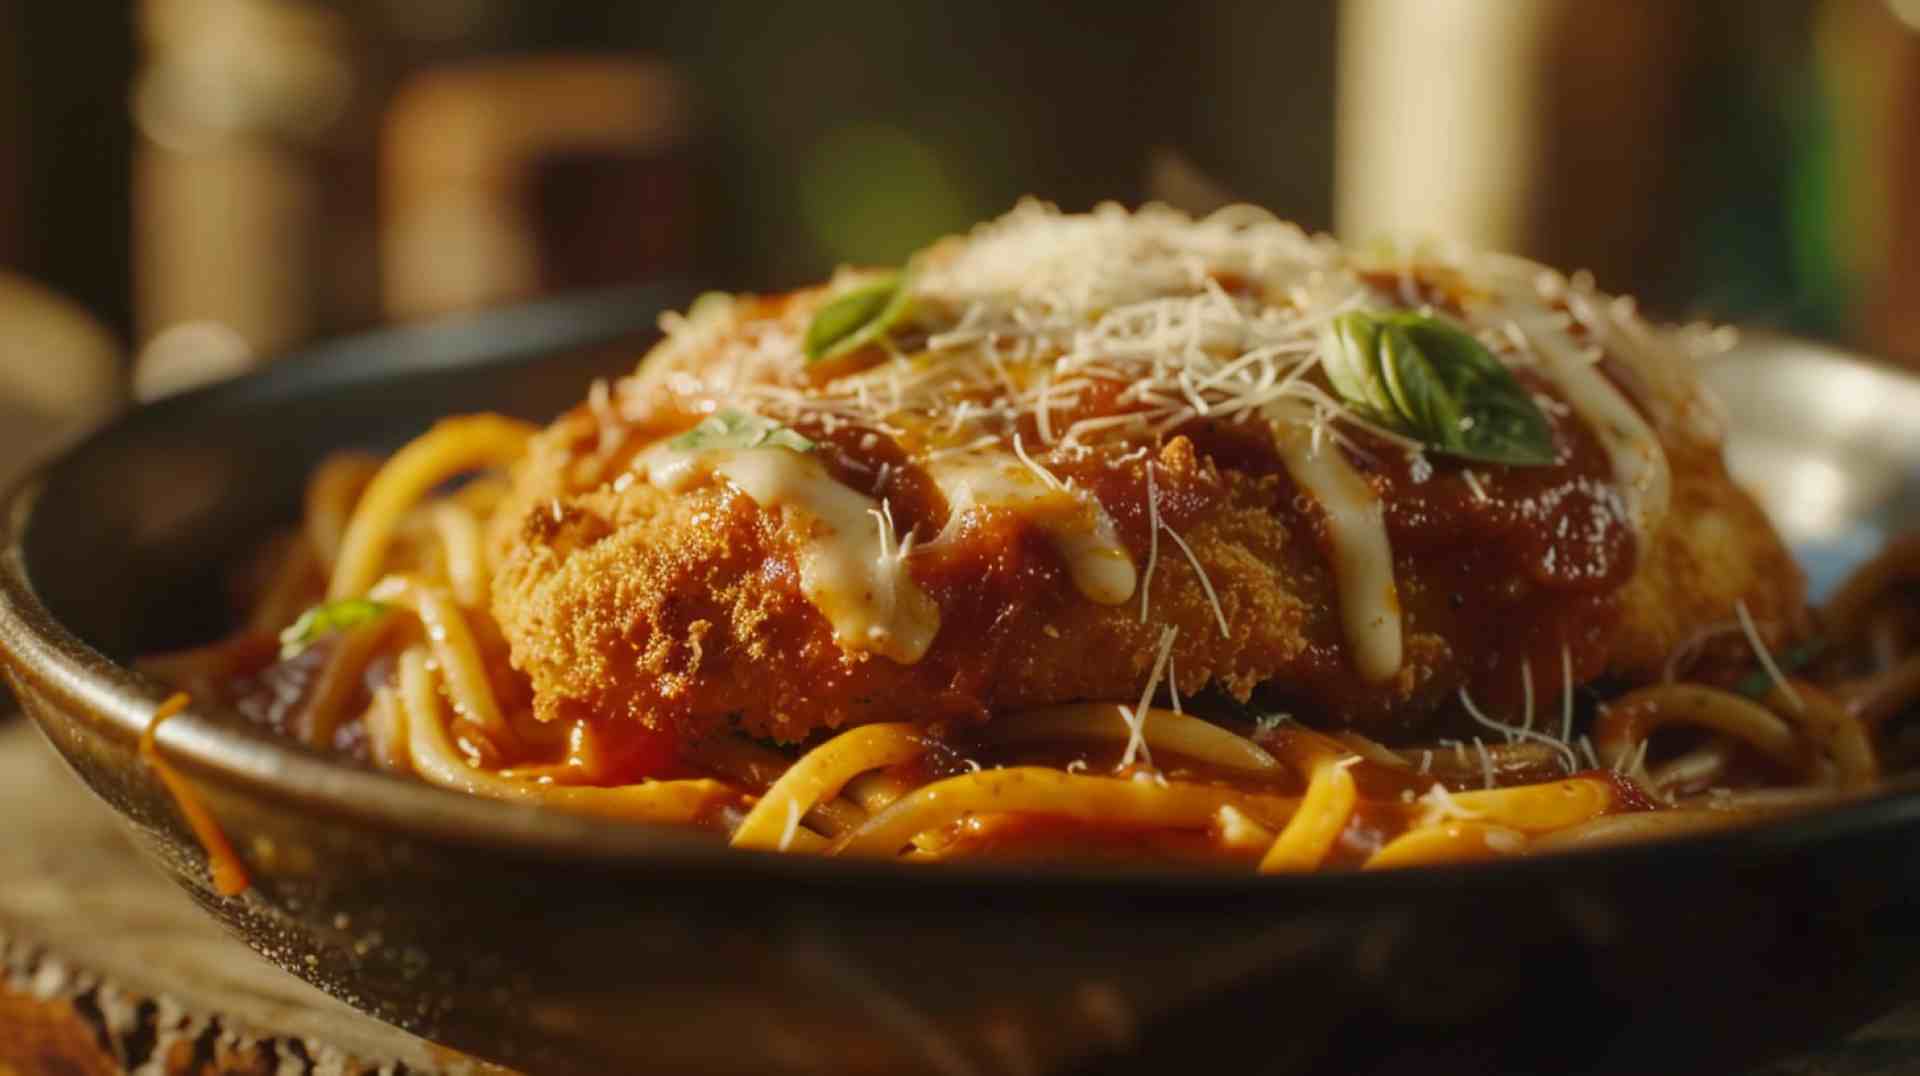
x: 560, y: 944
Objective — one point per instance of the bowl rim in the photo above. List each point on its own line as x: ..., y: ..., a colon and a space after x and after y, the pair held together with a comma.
x: 217, y: 744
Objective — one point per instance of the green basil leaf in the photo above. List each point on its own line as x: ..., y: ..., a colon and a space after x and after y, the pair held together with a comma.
x: 1423, y: 377
x: 328, y: 618
x: 857, y: 317
x: 739, y: 429
x: 1352, y: 362
x: 1419, y: 392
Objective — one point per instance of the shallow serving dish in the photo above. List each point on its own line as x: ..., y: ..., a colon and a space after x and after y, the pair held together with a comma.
x: 565, y: 945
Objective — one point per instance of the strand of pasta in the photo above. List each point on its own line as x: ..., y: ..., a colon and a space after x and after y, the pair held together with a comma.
x: 296, y: 574
x: 465, y: 552
x: 1891, y: 692
x: 1322, y: 817
x: 1624, y: 725
x: 820, y: 775
x: 453, y: 646
x: 387, y: 742
x: 332, y: 491
x: 1799, y: 727
x: 1842, y: 750
x: 435, y: 759
x: 321, y: 712
x: 1897, y: 564
x: 756, y: 768
x: 1139, y: 801
x: 482, y: 494
x: 1484, y: 824
x: 1456, y: 761
x: 358, y: 510
x: 229, y: 874
x: 1447, y: 842
x: 875, y: 792
x: 1542, y: 807
x: 451, y: 448
x: 1233, y: 831
x: 1697, y: 769
x: 1164, y: 730
x: 1679, y: 821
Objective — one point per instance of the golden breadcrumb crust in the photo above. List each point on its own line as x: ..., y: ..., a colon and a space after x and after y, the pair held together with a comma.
x: 685, y: 610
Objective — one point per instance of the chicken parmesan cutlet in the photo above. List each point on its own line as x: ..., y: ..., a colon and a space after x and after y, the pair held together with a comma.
x: 1086, y: 457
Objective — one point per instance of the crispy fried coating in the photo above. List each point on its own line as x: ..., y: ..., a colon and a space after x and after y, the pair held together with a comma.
x: 1716, y: 548
x: 685, y: 610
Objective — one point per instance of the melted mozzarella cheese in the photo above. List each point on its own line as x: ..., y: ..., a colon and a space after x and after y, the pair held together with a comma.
x: 850, y: 569
x: 1362, y: 554
x: 1081, y: 531
x: 1639, y: 462
x: 1040, y: 314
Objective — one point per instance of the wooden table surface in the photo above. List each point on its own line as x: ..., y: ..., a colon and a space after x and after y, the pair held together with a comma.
x: 106, y: 967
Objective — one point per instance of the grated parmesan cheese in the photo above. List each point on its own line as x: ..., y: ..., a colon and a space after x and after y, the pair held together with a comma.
x: 1029, y: 317
x: 1516, y: 733
x: 1440, y: 806
x: 1136, y: 718
x: 1766, y: 656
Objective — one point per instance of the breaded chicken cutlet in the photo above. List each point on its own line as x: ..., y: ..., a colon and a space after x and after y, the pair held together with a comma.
x: 1079, y: 457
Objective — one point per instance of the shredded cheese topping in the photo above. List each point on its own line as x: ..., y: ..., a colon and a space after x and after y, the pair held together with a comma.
x: 1766, y: 656
x: 1517, y: 733
x: 1043, y: 342
x: 1136, y: 718
x: 866, y: 593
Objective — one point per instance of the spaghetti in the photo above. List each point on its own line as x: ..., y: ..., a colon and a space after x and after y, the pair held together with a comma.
x: 1062, y: 430
x: 229, y: 874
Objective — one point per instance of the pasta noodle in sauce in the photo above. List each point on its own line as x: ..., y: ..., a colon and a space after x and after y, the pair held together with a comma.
x: 1103, y: 549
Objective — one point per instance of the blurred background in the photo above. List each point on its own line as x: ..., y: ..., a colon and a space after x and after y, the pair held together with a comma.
x: 190, y: 186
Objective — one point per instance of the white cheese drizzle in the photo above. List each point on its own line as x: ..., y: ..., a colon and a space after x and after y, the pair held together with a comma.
x: 1362, y: 554
x: 1639, y: 462
x: 1159, y: 319
x: 860, y: 586
x: 1079, y: 528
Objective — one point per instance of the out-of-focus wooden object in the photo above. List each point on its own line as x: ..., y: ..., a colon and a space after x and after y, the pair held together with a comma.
x: 1643, y: 140
x: 1893, y: 317
x: 1611, y: 91
x: 1529, y: 125
x: 1438, y: 118
x: 59, y: 370
x: 14, y: 101
x: 244, y: 171
x: 502, y: 180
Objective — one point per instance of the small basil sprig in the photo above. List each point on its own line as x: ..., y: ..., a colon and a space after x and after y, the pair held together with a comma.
x: 328, y: 618
x: 1419, y: 375
x: 857, y: 317
x: 739, y: 429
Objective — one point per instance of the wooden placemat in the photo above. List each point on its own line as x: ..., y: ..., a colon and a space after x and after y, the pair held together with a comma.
x: 106, y: 967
